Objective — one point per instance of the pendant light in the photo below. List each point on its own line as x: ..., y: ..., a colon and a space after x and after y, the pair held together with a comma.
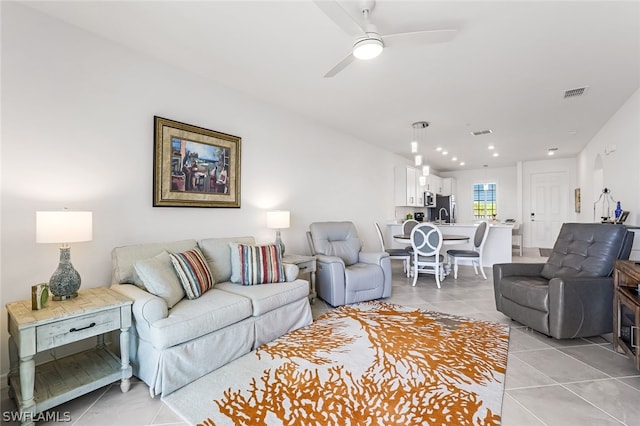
x: 418, y: 136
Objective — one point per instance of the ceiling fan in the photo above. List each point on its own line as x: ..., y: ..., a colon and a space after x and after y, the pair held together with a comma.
x: 368, y: 42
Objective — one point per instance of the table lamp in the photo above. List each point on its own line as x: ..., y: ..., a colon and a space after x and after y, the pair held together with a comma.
x: 64, y: 227
x: 278, y: 219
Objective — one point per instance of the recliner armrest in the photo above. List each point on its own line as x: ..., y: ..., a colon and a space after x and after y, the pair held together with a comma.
x: 321, y: 258
x: 512, y: 269
x: 580, y: 306
x: 374, y: 258
x: 147, y: 307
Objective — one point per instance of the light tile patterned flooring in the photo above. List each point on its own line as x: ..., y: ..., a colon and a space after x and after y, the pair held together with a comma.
x: 549, y: 382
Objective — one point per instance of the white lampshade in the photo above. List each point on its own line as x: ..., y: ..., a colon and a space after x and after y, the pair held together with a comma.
x: 64, y: 227
x: 278, y: 219
x: 367, y: 49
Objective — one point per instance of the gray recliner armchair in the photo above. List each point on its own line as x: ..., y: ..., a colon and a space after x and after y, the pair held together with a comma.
x: 345, y: 274
x: 571, y: 295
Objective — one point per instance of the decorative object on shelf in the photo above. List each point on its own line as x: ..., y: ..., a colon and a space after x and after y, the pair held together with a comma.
x: 606, y: 198
x: 194, y: 167
x: 278, y: 220
x: 64, y: 227
x: 39, y: 296
x: 576, y: 199
x: 618, y: 211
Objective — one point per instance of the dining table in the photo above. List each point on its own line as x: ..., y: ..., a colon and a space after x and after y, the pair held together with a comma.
x: 447, y: 240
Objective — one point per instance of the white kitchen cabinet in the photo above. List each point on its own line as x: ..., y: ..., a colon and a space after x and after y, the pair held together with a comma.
x: 436, y: 181
x: 448, y: 186
x: 406, y: 186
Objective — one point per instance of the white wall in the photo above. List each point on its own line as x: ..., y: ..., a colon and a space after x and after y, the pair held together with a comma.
x: 620, y: 168
x: 77, y: 132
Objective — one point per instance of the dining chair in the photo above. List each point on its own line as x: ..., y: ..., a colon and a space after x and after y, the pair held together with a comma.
x: 395, y: 253
x: 426, y: 242
x: 475, y: 254
x: 408, y: 225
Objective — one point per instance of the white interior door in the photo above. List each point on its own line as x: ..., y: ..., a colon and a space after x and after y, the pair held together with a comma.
x: 548, y: 207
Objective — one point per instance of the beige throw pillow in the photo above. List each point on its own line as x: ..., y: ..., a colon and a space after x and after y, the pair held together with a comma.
x: 160, y: 278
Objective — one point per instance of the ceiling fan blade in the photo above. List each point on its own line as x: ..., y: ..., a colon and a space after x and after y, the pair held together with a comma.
x: 337, y: 14
x: 419, y: 38
x: 341, y: 65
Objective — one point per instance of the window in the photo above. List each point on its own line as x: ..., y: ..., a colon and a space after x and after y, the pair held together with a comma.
x: 484, y: 200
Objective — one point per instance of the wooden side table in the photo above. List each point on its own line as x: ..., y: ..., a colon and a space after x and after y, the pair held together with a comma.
x: 94, y: 312
x: 305, y: 264
x: 627, y: 278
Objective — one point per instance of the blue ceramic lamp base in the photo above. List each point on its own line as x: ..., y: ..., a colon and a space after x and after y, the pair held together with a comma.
x: 65, y: 281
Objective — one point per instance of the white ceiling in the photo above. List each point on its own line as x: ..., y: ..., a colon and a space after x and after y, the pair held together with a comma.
x: 506, y: 69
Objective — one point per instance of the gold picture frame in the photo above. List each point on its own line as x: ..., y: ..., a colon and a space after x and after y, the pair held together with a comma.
x: 194, y: 167
x: 576, y: 196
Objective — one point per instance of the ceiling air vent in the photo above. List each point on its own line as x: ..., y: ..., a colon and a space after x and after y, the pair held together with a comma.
x: 572, y: 93
x: 481, y: 132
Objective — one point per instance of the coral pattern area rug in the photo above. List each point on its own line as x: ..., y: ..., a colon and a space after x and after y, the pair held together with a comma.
x: 369, y: 363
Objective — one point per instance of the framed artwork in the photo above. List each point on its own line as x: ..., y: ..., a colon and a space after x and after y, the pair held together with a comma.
x: 194, y: 167
x: 576, y: 200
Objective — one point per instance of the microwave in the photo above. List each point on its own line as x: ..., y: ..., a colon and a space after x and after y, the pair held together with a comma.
x: 429, y: 199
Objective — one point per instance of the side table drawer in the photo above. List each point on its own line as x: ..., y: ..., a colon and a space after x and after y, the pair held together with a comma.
x: 308, y: 266
x: 74, y: 329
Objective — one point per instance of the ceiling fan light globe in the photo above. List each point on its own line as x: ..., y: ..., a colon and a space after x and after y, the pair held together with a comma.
x: 367, y: 49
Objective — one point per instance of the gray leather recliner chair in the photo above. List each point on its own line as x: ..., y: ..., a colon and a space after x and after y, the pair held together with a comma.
x: 345, y: 274
x: 571, y: 295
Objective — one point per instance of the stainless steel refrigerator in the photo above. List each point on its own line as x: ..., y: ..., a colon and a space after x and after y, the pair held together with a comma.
x: 445, y: 209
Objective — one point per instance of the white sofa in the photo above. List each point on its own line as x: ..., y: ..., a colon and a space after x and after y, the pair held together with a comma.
x: 171, y: 347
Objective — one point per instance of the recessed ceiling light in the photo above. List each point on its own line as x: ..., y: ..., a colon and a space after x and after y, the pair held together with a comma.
x: 445, y: 152
x: 462, y: 163
x: 439, y: 148
x: 491, y: 147
x: 495, y: 154
x: 454, y: 158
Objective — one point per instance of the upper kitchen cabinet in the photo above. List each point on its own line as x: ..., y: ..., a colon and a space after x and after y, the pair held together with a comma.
x: 434, y: 184
x: 447, y: 186
x: 407, y: 186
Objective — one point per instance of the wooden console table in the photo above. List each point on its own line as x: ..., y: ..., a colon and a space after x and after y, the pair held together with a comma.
x: 94, y: 312
x: 627, y: 278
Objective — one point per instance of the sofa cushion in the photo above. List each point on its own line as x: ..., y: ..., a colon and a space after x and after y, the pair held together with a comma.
x: 218, y: 255
x: 267, y: 297
x: 532, y: 292
x: 585, y: 250
x: 123, y: 258
x: 190, y: 319
x: 160, y: 278
x: 252, y: 264
x: 193, y: 271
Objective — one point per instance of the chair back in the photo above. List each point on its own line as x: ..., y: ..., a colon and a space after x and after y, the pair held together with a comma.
x: 480, y: 237
x: 380, y: 237
x: 408, y: 226
x: 587, y: 250
x: 336, y: 239
x: 426, y: 239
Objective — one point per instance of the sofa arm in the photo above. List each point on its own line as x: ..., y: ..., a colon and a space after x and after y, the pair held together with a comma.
x: 291, y: 271
x: 580, y: 306
x: 372, y: 257
x: 146, y: 308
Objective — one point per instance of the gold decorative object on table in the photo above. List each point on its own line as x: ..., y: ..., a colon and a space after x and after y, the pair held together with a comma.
x: 39, y: 296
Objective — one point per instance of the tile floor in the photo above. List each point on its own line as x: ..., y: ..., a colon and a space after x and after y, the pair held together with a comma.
x: 549, y: 382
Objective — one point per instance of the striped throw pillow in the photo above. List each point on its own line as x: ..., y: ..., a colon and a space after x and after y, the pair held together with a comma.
x: 260, y: 264
x: 193, y: 271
